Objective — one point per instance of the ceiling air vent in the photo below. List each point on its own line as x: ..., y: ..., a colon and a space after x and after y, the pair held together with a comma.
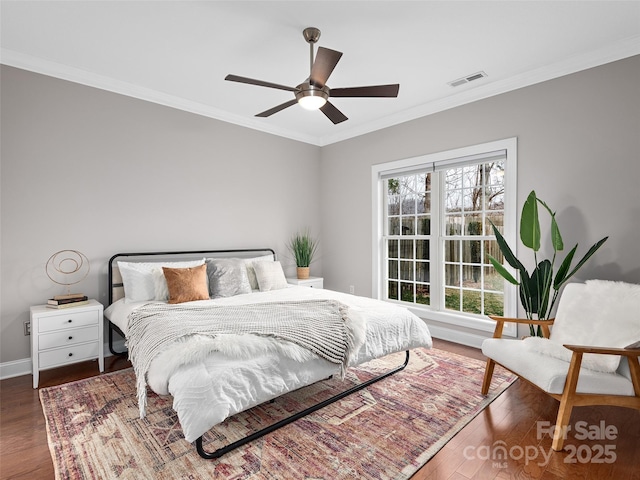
x: 467, y: 79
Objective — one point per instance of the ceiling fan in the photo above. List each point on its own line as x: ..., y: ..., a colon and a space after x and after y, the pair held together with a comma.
x: 314, y: 93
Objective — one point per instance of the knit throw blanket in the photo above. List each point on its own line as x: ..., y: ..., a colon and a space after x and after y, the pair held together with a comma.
x: 317, y: 325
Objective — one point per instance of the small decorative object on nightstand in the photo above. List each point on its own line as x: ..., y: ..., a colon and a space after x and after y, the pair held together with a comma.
x: 314, y: 282
x: 69, y: 335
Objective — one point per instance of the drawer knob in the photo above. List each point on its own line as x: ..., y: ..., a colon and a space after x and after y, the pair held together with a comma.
x: 69, y: 320
x: 70, y: 337
x: 71, y: 354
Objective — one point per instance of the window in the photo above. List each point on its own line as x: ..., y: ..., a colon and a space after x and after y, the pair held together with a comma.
x: 433, y: 233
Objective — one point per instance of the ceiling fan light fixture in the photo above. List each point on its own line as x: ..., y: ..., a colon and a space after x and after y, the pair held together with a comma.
x: 311, y: 97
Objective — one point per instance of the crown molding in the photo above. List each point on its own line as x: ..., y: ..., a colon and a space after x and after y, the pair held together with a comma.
x: 625, y: 48
x: 628, y: 47
x: 102, y: 82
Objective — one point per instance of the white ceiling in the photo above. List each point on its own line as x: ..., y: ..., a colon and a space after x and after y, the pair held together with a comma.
x: 177, y: 53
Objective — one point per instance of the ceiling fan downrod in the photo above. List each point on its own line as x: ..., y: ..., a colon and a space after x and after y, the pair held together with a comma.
x: 311, y: 35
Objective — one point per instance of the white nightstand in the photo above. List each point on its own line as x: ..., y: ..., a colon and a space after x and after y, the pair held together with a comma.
x: 64, y: 336
x: 314, y: 282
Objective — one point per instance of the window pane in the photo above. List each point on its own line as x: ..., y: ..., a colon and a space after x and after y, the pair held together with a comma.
x: 408, y: 204
x: 491, y: 248
x: 452, y: 299
x: 473, y: 224
x: 422, y: 249
x: 494, y: 304
x: 393, y: 269
x: 393, y: 248
x: 452, y: 250
x: 423, y: 203
x: 406, y: 270
x: 495, y: 199
x: 423, y: 294
x: 453, y: 225
x: 393, y: 206
x: 406, y: 292
x: 452, y: 275
x: 393, y: 290
x: 422, y: 271
x: 408, y: 226
x: 471, y: 301
x: 424, y: 225
x: 394, y: 226
x: 472, y: 275
x: 493, y: 280
x: 471, y: 251
x: 406, y: 248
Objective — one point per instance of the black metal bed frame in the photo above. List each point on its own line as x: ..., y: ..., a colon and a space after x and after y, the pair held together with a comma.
x: 271, y: 428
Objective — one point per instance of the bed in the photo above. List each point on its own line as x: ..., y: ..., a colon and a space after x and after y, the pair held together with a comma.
x: 244, y: 339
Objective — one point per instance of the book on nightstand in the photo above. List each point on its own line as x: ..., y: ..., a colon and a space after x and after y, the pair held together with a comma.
x: 68, y: 301
x: 69, y: 305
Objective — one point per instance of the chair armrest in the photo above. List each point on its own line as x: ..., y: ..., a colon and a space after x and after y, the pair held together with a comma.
x: 625, y: 352
x: 500, y: 321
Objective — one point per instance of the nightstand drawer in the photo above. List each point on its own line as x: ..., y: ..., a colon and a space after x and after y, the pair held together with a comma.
x: 70, y: 354
x: 68, y: 320
x: 68, y: 337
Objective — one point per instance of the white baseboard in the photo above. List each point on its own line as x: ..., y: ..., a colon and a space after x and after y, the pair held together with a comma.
x: 463, y: 338
x: 20, y: 367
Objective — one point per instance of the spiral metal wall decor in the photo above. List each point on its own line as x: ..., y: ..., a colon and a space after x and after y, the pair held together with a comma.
x: 67, y: 267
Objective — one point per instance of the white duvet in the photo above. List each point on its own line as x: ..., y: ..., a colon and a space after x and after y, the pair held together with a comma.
x: 211, y: 379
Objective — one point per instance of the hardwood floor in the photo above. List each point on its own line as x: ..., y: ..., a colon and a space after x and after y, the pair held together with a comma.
x: 512, y: 421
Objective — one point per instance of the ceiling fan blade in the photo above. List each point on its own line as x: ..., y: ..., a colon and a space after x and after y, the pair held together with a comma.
x: 260, y: 83
x: 333, y: 114
x: 326, y: 60
x: 271, y: 111
x: 372, y: 91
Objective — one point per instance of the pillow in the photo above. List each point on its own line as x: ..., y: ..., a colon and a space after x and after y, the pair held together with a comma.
x: 145, y: 281
x: 227, y: 277
x: 251, y: 273
x: 187, y: 284
x: 270, y: 276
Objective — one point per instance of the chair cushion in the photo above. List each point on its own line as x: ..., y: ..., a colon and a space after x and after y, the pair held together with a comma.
x: 598, y: 313
x: 550, y: 373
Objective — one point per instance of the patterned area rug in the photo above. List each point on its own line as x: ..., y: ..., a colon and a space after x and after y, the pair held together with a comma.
x: 388, y: 430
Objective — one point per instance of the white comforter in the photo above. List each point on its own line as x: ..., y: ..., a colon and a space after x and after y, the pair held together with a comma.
x: 212, y: 379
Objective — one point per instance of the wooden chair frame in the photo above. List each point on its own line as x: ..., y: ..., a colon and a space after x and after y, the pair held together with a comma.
x: 569, y: 397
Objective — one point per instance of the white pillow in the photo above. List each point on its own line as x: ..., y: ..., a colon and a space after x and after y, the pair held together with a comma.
x: 251, y: 273
x: 145, y: 281
x: 270, y: 276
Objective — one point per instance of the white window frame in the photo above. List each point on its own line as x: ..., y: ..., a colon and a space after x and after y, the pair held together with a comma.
x: 435, y: 161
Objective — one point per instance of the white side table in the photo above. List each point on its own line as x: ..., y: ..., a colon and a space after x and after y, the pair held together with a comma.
x: 313, y: 282
x: 65, y: 336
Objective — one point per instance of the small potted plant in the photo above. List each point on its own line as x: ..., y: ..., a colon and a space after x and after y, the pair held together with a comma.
x: 303, y: 247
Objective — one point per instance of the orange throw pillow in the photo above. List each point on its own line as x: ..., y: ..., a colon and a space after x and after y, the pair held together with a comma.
x: 187, y: 284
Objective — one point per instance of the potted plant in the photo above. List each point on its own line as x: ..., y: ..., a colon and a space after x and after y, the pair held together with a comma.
x: 536, y: 288
x: 303, y: 247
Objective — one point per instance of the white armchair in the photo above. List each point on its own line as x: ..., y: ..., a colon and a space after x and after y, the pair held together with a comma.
x: 583, y: 360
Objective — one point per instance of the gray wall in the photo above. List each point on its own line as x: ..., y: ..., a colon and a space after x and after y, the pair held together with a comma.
x: 578, y: 147
x: 103, y: 173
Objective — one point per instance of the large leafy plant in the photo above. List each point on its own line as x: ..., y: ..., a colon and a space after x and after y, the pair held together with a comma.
x: 539, y: 289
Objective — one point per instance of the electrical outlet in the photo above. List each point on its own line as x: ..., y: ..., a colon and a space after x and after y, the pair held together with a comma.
x: 352, y: 289
x: 27, y: 328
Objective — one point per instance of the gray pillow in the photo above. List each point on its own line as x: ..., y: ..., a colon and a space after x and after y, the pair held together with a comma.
x: 227, y: 277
